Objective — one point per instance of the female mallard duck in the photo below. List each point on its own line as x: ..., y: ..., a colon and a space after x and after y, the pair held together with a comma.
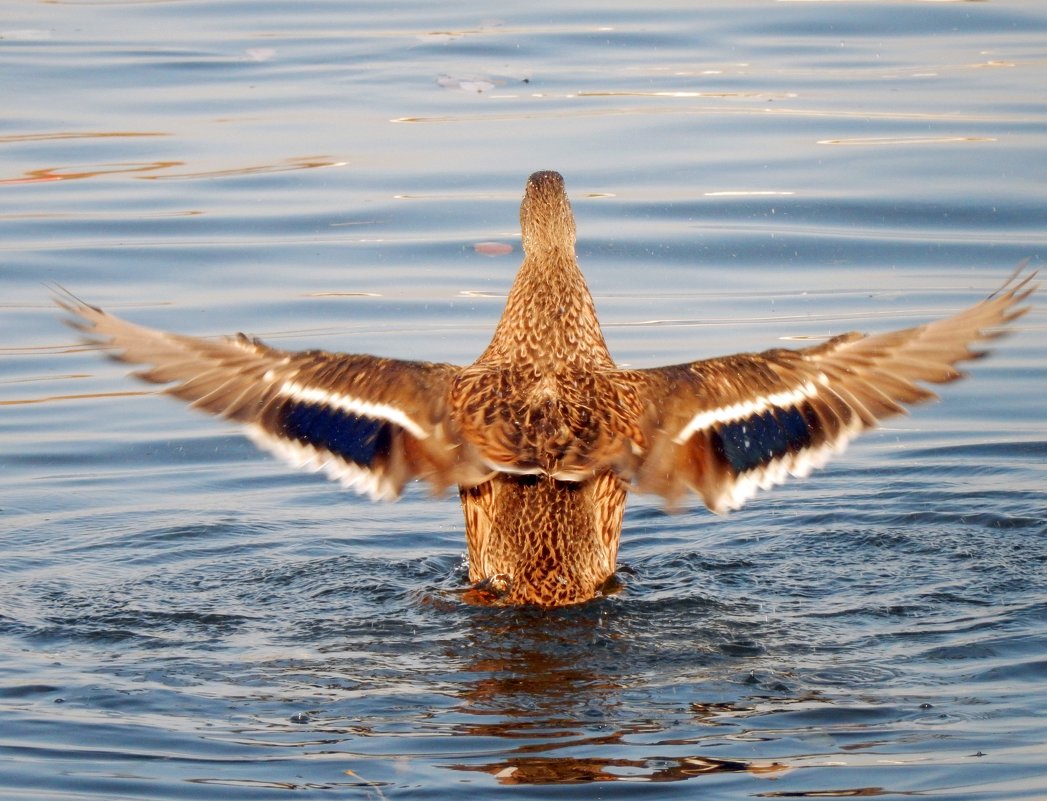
x: 543, y: 434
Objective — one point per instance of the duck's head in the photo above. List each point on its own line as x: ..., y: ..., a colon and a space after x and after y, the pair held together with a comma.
x: 545, y: 215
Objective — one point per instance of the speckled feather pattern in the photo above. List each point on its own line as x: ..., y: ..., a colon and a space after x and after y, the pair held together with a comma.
x: 535, y: 537
x: 543, y: 435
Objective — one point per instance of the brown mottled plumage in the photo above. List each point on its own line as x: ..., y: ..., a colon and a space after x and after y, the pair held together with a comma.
x: 543, y: 434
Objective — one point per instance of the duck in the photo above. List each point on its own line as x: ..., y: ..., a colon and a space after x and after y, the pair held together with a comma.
x: 544, y: 435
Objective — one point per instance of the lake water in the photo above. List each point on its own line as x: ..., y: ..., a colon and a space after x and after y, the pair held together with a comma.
x: 182, y: 617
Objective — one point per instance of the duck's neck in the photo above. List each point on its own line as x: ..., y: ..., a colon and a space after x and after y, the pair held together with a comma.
x: 549, y: 322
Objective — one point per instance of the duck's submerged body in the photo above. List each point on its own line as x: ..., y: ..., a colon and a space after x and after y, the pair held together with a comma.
x: 544, y: 434
x: 537, y: 539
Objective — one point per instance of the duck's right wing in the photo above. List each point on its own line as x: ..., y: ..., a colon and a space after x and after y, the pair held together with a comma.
x: 727, y: 427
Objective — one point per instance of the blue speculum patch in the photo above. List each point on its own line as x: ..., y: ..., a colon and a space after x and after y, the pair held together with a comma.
x: 354, y: 438
x: 759, y: 439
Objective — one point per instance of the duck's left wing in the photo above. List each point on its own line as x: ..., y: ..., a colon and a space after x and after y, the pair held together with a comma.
x: 369, y: 422
x: 727, y: 427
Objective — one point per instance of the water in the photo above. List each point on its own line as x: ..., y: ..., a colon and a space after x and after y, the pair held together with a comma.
x: 181, y: 617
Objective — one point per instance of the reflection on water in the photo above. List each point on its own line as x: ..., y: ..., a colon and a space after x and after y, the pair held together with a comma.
x: 547, y: 686
x: 540, y: 770
x: 149, y: 171
x: 65, y: 135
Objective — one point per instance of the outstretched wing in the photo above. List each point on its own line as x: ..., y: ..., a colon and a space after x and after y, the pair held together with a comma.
x: 371, y: 423
x: 727, y: 427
